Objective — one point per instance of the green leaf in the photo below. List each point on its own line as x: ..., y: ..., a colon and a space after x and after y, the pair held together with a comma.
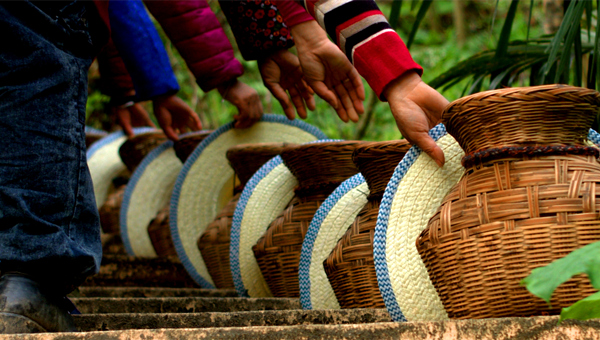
x: 578, y: 58
x: 597, y: 47
x: 420, y: 15
x: 544, y: 280
x: 556, y: 44
x: 565, y: 58
x: 589, y: 7
x: 502, y: 46
x: 395, y: 13
x: 588, y: 308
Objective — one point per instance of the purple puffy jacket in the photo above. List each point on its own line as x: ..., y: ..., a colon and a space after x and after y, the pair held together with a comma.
x: 196, y: 33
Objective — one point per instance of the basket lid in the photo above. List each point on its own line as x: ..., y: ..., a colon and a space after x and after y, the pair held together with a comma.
x: 377, y: 161
x: 246, y: 159
x: 133, y: 150
x: 522, y: 116
x: 321, y: 164
x: 188, y: 142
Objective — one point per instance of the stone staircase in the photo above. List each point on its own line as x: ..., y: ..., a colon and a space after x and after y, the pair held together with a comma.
x: 155, y: 299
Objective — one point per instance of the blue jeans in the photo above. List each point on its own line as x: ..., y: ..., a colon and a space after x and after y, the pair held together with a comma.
x: 49, y: 225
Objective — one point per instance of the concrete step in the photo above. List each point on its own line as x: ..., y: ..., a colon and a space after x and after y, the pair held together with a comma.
x: 140, y: 292
x: 120, y: 270
x: 181, y: 304
x: 103, y: 322
x: 497, y: 329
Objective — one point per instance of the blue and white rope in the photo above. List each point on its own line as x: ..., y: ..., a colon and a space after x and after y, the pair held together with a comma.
x: 313, y: 231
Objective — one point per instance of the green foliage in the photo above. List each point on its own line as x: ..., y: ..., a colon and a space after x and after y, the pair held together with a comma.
x: 544, y: 280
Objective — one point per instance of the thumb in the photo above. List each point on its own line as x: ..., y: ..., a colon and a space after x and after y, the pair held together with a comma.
x: 424, y: 141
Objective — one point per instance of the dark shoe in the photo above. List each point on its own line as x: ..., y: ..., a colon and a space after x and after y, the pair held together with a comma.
x: 24, y: 308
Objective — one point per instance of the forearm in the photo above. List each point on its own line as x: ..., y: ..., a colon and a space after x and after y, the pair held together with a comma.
x: 197, y: 34
x: 142, y: 50
x: 361, y: 31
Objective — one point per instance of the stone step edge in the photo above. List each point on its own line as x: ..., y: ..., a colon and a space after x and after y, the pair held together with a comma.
x: 124, y: 321
x: 497, y: 329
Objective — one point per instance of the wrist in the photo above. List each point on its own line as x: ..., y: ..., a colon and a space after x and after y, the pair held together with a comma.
x: 401, y: 86
x: 226, y: 87
x: 308, y: 33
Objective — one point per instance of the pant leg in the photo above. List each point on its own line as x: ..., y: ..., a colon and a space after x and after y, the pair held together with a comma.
x: 49, y: 225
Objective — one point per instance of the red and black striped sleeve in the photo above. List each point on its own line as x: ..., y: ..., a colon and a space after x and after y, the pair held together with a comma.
x: 362, y: 32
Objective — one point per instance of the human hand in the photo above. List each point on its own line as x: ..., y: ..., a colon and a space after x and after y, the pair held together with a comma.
x: 175, y: 116
x: 328, y: 71
x: 247, y: 101
x: 132, y: 116
x: 282, y: 72
x: 417, y: 108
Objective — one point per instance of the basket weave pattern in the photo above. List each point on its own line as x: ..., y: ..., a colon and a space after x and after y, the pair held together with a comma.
x: 109, y: 212
x: 160, y: 234
x: 538, y: 115
x: 320, y: 168
x: 134, y: 150
x: 511, y: 215
x: 214, y: 243
x: 186, y: 145
x: 278, y: 250
x: 350, y: 267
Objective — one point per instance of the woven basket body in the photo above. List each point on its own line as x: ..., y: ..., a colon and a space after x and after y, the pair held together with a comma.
x: 350, y: 267
x: 134, y: 150
x: 109, y: 211
x: 320, y: 168
x: 523, y: 202
x: 186, y: 145
x: 160, y: 234
x: 213, y: 244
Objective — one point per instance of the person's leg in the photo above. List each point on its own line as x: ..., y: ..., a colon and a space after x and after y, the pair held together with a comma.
x: 49, y: 225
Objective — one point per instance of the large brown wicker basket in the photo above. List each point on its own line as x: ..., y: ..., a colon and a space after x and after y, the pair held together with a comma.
x: 186, y: 145
x: 320, y: 168
x: 529, y: 196
x: 350, y: 267
x: 245, y: 160
x: 134, y: 150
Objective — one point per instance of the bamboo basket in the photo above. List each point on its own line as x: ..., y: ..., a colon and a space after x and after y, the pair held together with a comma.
x: 529, y: 196
x: 109, y: 211
x: 319, y: 168
x: 187, y: 144
x: 213, y: 244
x: 160, y: 234
x: 134, y: 150
x: 350, y: 267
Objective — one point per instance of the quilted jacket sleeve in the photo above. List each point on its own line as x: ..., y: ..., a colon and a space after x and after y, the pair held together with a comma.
x: 196, y: 33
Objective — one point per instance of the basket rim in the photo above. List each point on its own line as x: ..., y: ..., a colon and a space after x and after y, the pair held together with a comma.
x: 590, y: 96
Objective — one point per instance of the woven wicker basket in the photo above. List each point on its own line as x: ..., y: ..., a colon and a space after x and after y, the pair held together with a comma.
x: 109, y: 211
x: 245, y: 160
x: 528, y: 197
x: 320, y: 168
x: 134, y: 150
x: 160, y: 234
x: 350, y: 267
x: 186, y: 145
